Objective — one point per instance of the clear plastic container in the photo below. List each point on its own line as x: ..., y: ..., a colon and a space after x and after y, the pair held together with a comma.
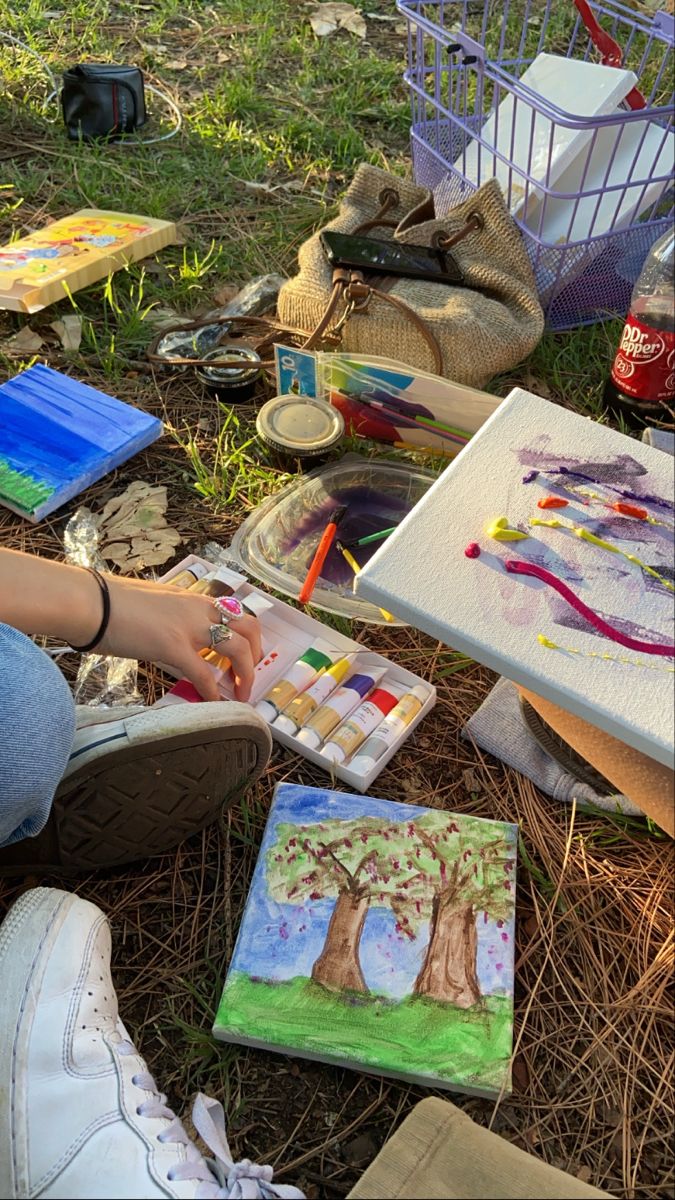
x: 276, y: 543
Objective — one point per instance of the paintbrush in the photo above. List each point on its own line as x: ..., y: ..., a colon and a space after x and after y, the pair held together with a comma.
x: 349, y: 558
x: 398, y: 418
x: 321, y: 553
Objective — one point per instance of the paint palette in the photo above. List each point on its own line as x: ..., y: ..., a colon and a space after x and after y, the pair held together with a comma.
x: 287, y: 634
x: 568, y: 587
x: 392, y: 954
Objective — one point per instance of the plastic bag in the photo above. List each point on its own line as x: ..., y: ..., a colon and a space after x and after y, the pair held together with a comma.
x: 102, y: 681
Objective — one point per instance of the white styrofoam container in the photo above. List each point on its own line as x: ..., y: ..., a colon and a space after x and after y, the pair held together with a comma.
x: 287, y: 633
x: 529, y: 140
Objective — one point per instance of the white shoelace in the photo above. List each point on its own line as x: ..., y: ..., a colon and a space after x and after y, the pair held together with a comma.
x: 219, y: 1178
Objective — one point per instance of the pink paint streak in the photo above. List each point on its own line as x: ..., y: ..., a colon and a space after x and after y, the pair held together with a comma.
x: 516, y: 567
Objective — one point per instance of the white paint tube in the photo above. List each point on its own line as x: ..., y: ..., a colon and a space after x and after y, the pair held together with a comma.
x: 340, y: 705
x: 354, y: 731
x: 390, y: 730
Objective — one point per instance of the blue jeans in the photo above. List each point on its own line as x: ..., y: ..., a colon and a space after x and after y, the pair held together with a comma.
x: 37, y: 723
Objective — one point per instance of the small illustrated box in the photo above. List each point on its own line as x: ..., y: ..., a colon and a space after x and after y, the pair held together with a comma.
x: 73, y: 252
x: 286, y: 634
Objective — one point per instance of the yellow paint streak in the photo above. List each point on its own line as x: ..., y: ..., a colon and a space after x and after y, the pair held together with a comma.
x: 617, y: 658
x: 580, y: 532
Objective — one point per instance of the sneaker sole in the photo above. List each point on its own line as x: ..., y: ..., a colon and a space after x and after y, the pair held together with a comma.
x: 146, y: 798
x: 26, y: 936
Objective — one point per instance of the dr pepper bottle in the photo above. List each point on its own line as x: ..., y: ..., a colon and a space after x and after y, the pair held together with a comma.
x: 641, y: 385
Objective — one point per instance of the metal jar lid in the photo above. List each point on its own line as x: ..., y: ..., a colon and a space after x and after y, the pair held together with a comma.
x: 299, y: 425
x: 231, y: 377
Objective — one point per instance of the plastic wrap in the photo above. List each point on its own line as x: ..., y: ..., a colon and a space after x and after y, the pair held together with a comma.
x: 102, y: 681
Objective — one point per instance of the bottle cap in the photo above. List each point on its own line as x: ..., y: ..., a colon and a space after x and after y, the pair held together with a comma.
x: 309, y: 737
x: 335, y: 753
x: 233, y: 384
x: 266, y: 710
x: 361, y: 764
x: 299, y: 426
x: 285, y: 724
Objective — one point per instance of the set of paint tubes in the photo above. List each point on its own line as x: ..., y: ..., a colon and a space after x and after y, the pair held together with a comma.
x: 331, y: 707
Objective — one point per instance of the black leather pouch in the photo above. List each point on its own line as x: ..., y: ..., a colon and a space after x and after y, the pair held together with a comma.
x: 100, y: 100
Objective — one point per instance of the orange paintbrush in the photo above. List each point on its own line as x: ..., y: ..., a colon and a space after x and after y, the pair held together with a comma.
x: 327, y: 538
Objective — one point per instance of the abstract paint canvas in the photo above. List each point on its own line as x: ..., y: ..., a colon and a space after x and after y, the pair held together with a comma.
x: 379, y: 936
x: 545, y: 551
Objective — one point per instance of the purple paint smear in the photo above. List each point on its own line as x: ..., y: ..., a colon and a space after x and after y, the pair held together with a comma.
x: 563, y: 615
x: 368, y: 511
x: 615, y: 474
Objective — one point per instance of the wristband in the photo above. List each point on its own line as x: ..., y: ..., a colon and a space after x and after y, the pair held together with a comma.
x: 105, y: 596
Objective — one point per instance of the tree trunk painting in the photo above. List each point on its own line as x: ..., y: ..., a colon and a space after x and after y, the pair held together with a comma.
x: 337, y: 967
x: 449, y: 972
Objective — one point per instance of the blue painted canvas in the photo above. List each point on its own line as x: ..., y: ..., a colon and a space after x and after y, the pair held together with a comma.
x: 58, y: 436
x: 379, y: 936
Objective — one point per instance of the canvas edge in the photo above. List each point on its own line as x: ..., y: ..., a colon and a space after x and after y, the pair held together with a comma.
x: 334, y: 1060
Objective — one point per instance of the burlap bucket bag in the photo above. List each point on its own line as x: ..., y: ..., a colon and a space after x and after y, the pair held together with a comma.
x: 468, y: 333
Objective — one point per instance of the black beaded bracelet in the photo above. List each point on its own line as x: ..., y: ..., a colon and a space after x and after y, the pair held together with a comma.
x: 105, y: 596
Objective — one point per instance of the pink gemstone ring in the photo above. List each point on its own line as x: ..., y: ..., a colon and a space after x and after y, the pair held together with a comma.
x: 229, y: 607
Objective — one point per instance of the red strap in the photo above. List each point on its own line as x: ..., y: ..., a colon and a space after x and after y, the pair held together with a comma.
x: 612, y: 55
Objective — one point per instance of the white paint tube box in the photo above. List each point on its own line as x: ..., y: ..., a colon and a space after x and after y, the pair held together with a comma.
x: 286, y: 634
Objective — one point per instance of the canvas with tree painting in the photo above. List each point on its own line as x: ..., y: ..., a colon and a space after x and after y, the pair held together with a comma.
x: 380, y: 936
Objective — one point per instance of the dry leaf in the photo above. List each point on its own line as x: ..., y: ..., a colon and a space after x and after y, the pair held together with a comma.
x: 133, y: 531
x: 69, y: 331
x: 26, y: 341
x: 176, y: 64
x: 226, y: 293
x: 327, y: 18
x: 164, y: 317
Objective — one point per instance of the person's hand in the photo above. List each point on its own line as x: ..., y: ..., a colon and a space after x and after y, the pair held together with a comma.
x: 168, y: 625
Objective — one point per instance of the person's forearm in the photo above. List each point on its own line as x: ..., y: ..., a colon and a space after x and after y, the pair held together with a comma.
x: 38, y: 596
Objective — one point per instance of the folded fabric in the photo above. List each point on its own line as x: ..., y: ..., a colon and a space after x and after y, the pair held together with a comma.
x: 498, y: 727
x: 439, y: 1153
x: 660, y: 439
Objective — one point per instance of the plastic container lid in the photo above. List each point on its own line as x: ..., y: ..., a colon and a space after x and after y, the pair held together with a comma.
x: 276, y: 543
x: 299, y: 425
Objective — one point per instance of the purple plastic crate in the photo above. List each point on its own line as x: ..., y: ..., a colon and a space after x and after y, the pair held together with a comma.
x: 458, y: 75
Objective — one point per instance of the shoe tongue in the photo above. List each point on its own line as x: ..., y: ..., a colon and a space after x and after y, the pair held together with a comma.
x: 86, y: 716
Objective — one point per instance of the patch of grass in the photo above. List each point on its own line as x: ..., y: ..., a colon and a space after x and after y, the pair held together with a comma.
x: 469, y: 1047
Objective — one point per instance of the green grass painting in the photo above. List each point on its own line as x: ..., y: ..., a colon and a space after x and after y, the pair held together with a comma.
x: 414, y: 1037
x: 379, y: 935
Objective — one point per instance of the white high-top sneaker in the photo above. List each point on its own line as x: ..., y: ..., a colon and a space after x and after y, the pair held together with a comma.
x: 80, y: 1116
